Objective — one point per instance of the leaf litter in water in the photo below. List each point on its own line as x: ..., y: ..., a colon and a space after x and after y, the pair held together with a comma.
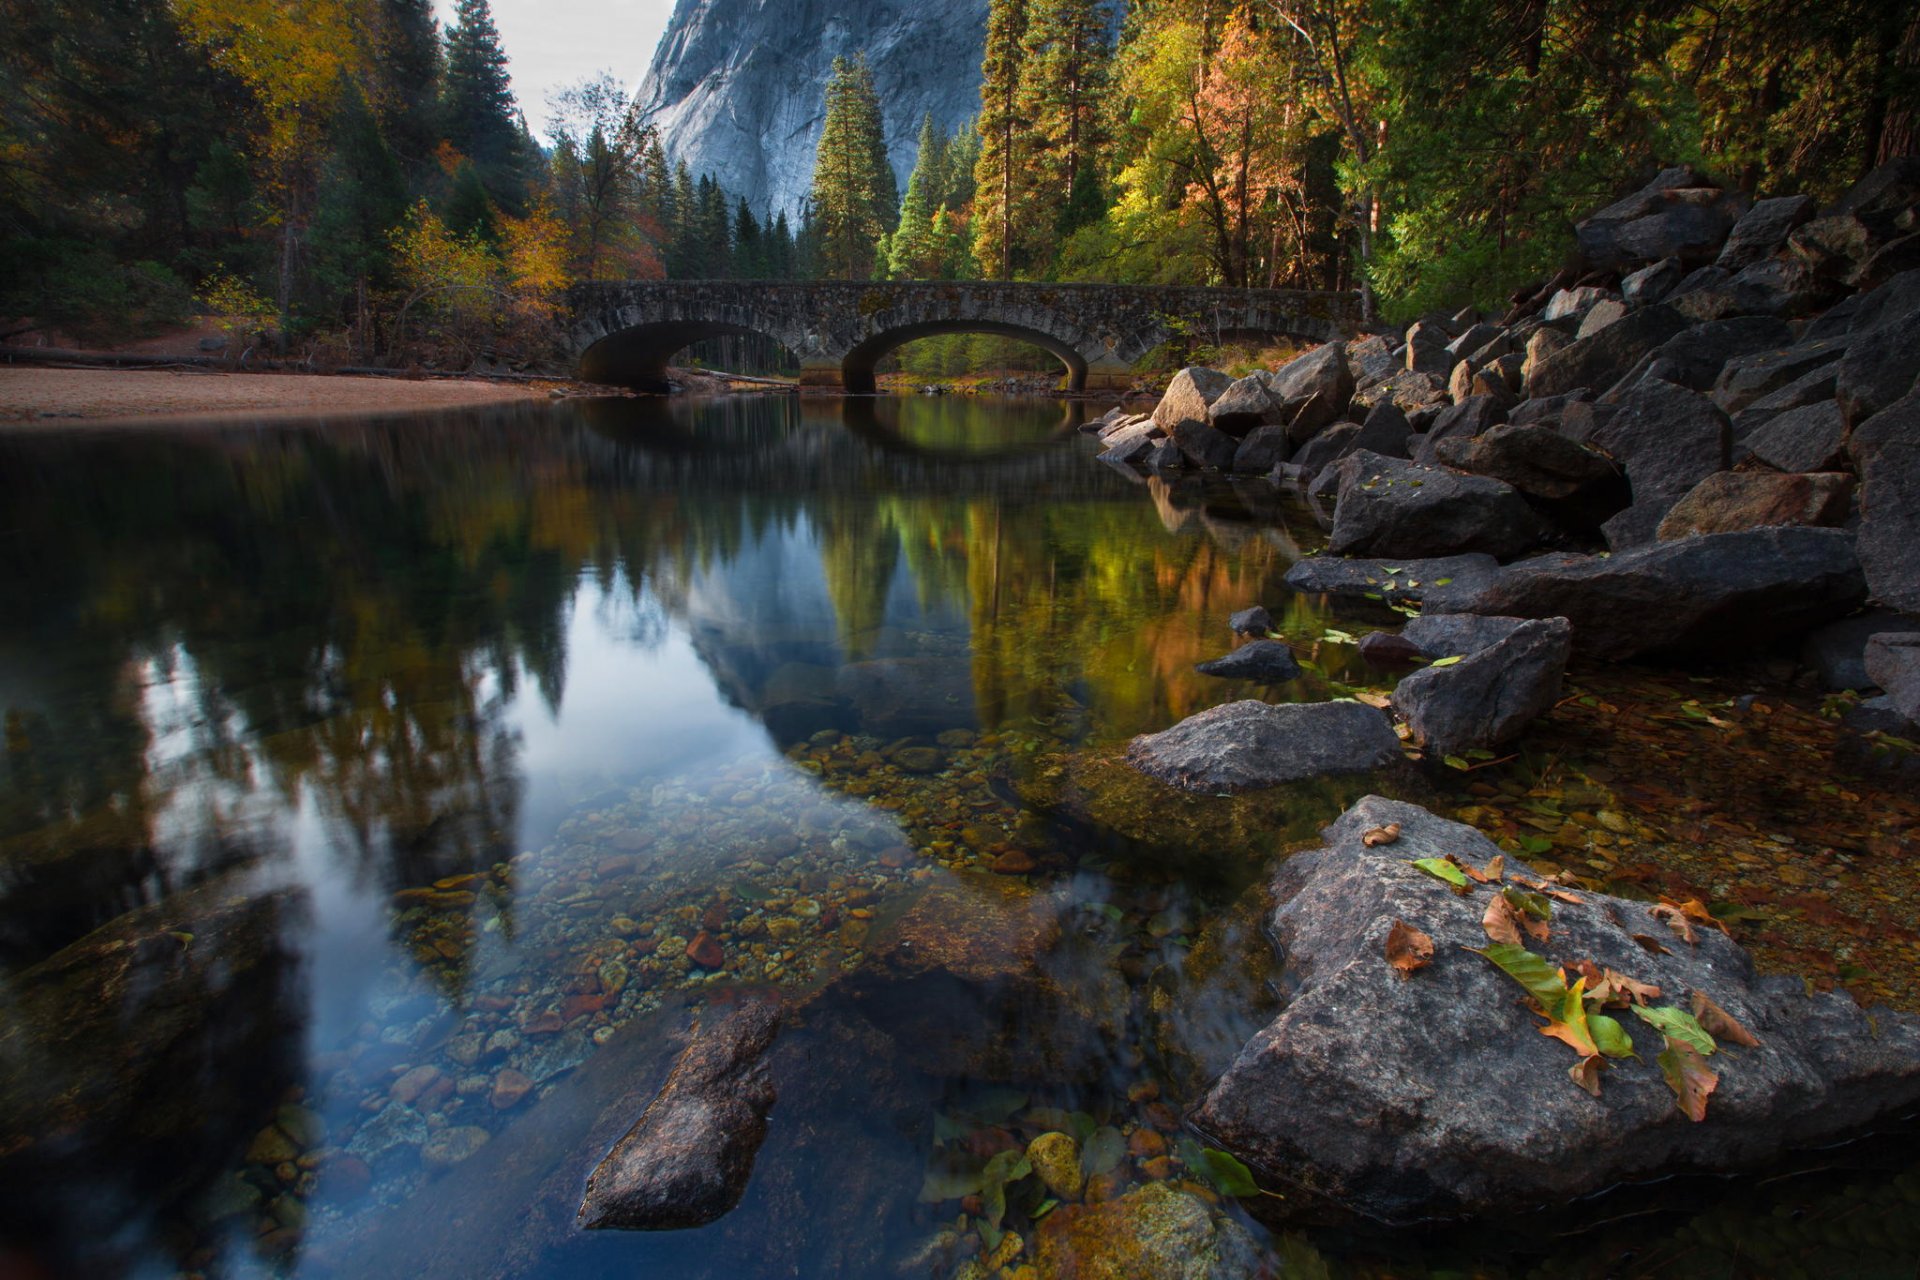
x: 1408, y: 949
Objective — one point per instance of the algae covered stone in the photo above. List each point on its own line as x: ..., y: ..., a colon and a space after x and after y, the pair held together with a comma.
x: 1056, y: 1158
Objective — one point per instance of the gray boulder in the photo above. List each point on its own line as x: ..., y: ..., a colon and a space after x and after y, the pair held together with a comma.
x: 1508, y: 676
x: 1810, y: 388
x: 1571, y: 304
x: 1267, y: 661
x: 1371, y: 361
x: 1668, y: 438
x: 1389, y: 507
x: 1677, y: 215
x: 1462, y: 421
x: 1601, y: 360
x: 1438, y: 582
x: 1203, y: 445
x: 687, y: 1160
x: 1254, y: 620
x: 1696, y: 355
x: 1573, y: 483
x: 1898, y: 423
x: 1599, y: 316
x: 1130, y: 443
x: 1410, y: 1098
x: 1746, y: 379
x: 1809, y: 438
x: 1330, y: 445
x: 1385, y: 432
x: 1189, y: 395
x: 1890, y: 526
x: 1719, y: 592
x: 1893, y: 663
x: 1879, y: 368
x: 1242, y: 407
x: 1763, y: 230
x: 1245, y: 746
x: 1650, y: 284
x: 1264, y: 449
x: 1729, y: 501
x: 1837, y: 652
x: 1312, y: 390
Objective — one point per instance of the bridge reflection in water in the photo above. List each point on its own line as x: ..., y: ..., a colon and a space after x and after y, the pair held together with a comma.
x: 626, y: 333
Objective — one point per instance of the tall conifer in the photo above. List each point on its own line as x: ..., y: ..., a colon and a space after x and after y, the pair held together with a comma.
x: 1004, y: 137
x: 853, y: 201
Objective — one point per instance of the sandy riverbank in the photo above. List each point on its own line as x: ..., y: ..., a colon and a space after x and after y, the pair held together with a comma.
x: 47, y: 396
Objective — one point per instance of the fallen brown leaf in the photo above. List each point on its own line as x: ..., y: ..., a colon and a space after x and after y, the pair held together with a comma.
x: 1502, y: 922
x: 1586, y: 1073
x: 1689, y: 1077
x: 1720, y: 1024
x: 1408, y: 949
x: 1497, y: 867
x: 1474, y: 873
x: 1676, y: 920
x: 1381, y: 835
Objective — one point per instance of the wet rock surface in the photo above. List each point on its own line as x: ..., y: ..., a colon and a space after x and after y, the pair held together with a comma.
x: 687, y: 1160
x: 1435, y: 1094
x: 1724, y: 591
x: 1267, y: 661
x: 1157, y: 1232
x: 1244, y: 746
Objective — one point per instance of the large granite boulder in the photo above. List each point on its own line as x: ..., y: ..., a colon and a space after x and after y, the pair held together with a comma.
x: 1389, y: 507
x: 1437, y: 582
x: 1729, y: 501
x: 687, y: 1160
x: 1435, y: 1094
x: 1189, y: 396
x: 1811, y: 437
x: 1746, y: 379
x: 1696, y: 355
x: 1668, y: 438
x: 1890, y: 526
x: 1718, y: 592
x: 1879, y: 368
x: 1762, y: 231
x: 1462, y: 421
x: 1837, y: 652
x: 1244, y: 746
x: 1893, y: 663
x: 1311, y: 390
x: 1574, y: 484
x: 1204, y: 445
x: 1603, y: 359
x: 1130, y: 443
x: 1263, y: 449
x: 1507, y: 675
x: 1898, y: 423
x: 1677, y: 215
x: 1242, y: 407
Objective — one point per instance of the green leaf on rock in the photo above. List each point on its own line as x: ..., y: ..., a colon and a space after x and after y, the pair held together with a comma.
x: 1536, y: 905
x: 1455, y: 762
x: 1228, y: 1175
x: 1609, y: 1036
x: 1677, y: 1024
x: 1543, y: 981
x: 1448, y: 661
x: 1441, y: 869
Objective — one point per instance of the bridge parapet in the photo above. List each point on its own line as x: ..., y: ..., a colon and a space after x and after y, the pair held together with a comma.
x: 625, y: 333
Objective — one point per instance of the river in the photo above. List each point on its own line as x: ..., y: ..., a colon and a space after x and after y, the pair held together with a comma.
x: 382, y: 799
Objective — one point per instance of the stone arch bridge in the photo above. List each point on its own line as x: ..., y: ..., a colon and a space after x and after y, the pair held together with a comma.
x: 626, y: 333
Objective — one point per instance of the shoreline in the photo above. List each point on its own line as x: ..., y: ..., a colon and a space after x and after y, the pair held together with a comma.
x: 41, y: 397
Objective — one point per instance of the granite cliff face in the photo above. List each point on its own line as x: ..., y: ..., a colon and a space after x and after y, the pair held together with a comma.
x: 736, y: 86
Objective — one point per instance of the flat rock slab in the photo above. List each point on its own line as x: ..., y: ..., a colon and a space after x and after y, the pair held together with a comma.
x: 1389, y: 506
x: 1435, y: 1095
x: 1718, y: 591
x: 1434, y: 581
x: 687, y: 1160
x: 1244, y: 746
x: 1269, y: 661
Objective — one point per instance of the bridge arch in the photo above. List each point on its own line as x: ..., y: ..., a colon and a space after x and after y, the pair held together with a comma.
x: 638, y: 356
x: 856, y: 368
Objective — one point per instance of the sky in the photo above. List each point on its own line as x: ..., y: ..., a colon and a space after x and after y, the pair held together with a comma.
x: 554, y: 43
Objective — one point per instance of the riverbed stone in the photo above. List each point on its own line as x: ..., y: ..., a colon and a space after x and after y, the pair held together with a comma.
x: 1729, y: 501
x: 1508, y: 676
x: 1717, y: 592
x: 1254, y: 620
x: 1246, y: 746
x: 1388, y: 506
x: 1893, y: 663
x: 1263, y: 449
x: 1155, y: 1232
x: 1204, y: 445
x: 1435, y: 582
x: 1056, y: 1158
x: 1266, y: 661
x: 1434, y: 1094
x: 687, y: 1160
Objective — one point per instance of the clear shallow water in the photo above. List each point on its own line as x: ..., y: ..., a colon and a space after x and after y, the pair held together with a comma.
x: 422, y: 778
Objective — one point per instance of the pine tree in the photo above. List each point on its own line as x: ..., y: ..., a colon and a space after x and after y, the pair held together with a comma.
x: 714, y: 230
x: 361, y: 197
x: 468, y: 210
x: 853, y: 202
x: 480, y: 117
x: 407, y: 63
x: 749, y: 249
x: 962, y: 155
x: 781, y: 254
x: 1063, y: 80
x: 1005, y: 137
x: 682, y: 228
x: 907, y: 257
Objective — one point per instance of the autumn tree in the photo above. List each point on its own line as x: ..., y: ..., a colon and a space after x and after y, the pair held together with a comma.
x: 599, y: 164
